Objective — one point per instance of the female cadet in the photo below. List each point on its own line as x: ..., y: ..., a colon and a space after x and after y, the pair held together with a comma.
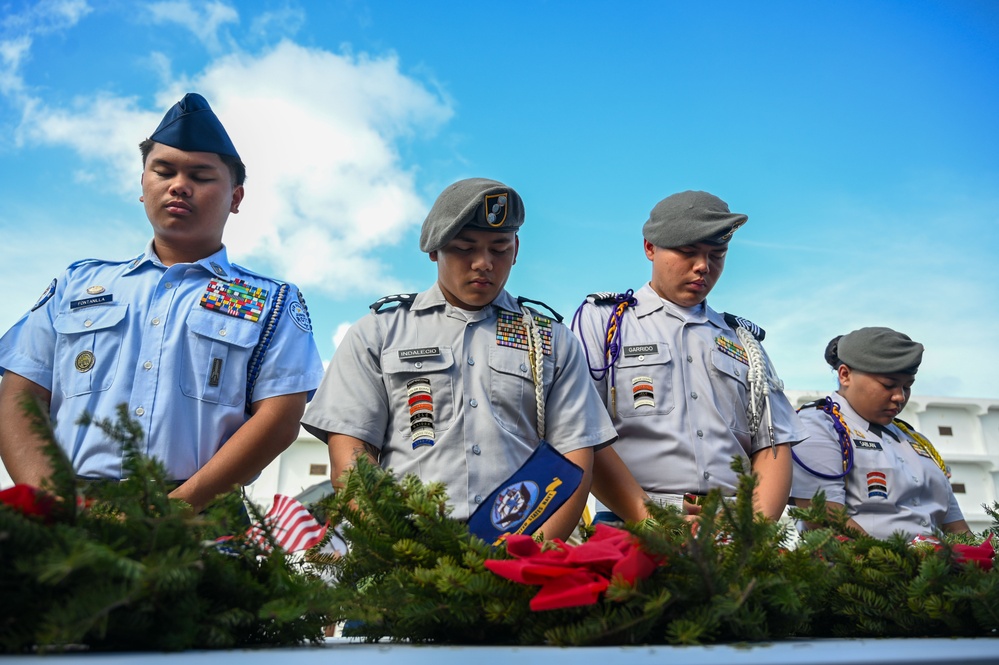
x: 888, y: 477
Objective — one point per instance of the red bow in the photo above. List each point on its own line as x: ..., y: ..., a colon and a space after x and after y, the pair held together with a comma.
x: 981, y: 555
x: 574, y: 576
x: 28, y: 500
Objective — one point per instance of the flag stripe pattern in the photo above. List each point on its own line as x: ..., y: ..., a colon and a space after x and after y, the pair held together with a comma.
x: 292, y: 526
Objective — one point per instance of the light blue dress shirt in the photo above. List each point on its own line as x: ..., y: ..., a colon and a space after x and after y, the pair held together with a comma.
x: 174, y: 344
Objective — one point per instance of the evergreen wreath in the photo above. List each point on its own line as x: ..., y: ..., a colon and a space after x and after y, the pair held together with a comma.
x: 120, y: 566
x: 414, y: 574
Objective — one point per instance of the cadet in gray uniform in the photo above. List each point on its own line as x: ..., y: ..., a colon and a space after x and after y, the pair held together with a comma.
x: 889, y: 477
x: 687, y: 388
x: 440, y: 383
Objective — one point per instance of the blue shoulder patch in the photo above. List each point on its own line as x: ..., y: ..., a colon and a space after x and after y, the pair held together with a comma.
x: 46, y: 295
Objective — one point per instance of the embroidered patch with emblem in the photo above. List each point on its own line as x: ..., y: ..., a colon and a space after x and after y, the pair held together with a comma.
x: 84, y: 361
x: 44, y: 298
x: 513, y: 504
x: 96, y: 289
x: 867, y: 445
x: 235, y: 298
x: 496, y: 209
x: 643, y: 392
x: 730, y: 348
x: 877, y: 485
x: 421, y: 412
x: 300, y: 315
x: 510, y: 331
x: 89, y: 302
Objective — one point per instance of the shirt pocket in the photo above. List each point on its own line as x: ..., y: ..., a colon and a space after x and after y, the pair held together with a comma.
x: 730, y: 395
x: 90, y: 341
x: 218, y: 349
x: 512, y: 395
x: 644, y: 382
x: 421, y: 393
x: 874, y: 478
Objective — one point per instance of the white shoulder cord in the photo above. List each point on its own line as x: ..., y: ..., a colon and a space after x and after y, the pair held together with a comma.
x: 535, y: 351
x: 759, y: 388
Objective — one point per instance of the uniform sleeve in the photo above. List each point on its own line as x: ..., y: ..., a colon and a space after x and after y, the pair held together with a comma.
x: 28, y: 348
x: 954, y: 512
x: 575, y: 416
x: 291, y: 363
x: 820, y: 451
x: 352, y: 398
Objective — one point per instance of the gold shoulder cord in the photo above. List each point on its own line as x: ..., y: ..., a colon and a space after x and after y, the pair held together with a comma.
x: 923, y: 441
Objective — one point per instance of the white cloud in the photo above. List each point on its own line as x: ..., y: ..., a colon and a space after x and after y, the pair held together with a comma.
x: 203, y: 20
x: 318, y: 131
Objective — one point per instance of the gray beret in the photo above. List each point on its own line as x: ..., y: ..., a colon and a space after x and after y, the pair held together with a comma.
x: 875, y: 350
x: 483, y: 204
x: 691, y: 217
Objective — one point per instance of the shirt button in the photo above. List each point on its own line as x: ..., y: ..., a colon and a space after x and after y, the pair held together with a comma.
x: 693, y: 395
x: 924, y: 522
x: 223, y: 332
x: 418, y: 365
x: 706, y: 475
x: 88, y: 323
x: 690, y: 359
x: 139, y: 411
x: 737, y: 373
x: 478, y: 498
x: 915, y: 502
x: 155, y: 321
x: 523, y: 367
x: 476, y: 449
x: 915, y: 480
x: 168, y: 285
x: 700, y: 434
x: 473, y: 402
x: 147, y: 365
x: 641, y: 358
x: 471, y: 361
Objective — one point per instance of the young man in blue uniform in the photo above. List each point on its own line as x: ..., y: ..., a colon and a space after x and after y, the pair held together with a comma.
x: 214, y: 361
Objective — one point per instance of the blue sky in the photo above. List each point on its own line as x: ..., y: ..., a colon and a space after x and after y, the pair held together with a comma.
x: 861, y: 138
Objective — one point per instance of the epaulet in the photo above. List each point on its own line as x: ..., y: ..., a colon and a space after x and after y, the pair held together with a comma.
x: 87, y: 262
x: 252, y: 273
x: 907, y: 425
x: 814, y: 404
x: 404, y: 300
x: 739, y: 322
x: 604, y: 298
x: 521, y: 300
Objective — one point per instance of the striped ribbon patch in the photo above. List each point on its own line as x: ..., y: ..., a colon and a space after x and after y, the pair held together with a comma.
x: 730, y: 348
x: 235, y: 298
x: 643, y: 392
x: 877, y: 485
x: 421, y: 412
x: 511, y: 331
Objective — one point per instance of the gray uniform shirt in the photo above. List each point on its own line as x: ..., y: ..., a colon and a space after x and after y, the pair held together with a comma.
x: 448, y: 394
x: 681, y: 395
x: 894, y: 485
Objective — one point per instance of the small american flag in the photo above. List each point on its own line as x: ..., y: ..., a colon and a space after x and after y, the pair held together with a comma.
x: 293, y: 528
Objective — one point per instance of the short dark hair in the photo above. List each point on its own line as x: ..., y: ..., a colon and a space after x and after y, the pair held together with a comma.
x: 235, y: 165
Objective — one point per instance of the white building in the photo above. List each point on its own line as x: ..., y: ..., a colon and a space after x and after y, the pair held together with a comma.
x: 964, y: 431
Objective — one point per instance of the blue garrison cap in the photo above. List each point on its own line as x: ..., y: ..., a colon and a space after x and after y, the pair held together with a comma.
x: 191, y: 125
